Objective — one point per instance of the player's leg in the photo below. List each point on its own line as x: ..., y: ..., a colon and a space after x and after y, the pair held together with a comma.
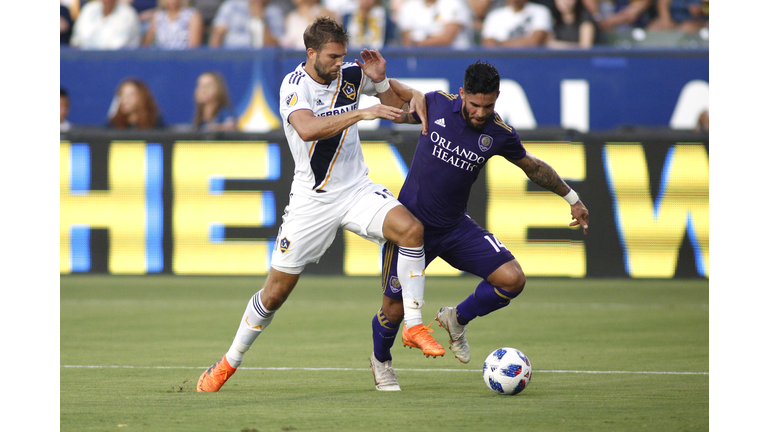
x: 307, y: 231
x: 259, y: 312
x: 379, y: 217
x: 493, y: 293
x: 258, y: 315
x: 385, y: 325
x: 477, y: 251
x: 386, y: 321
x: 403, y: 229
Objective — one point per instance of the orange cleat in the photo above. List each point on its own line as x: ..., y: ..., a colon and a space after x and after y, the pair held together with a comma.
x: 419, y: 336
x: 215, y: 376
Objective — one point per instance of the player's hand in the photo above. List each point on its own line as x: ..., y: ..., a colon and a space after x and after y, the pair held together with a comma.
x: 373, y: 64
x: 419, y: 106
x: 581, y: 215
x: 381, y: 111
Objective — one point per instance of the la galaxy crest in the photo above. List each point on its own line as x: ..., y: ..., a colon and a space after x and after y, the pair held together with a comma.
x: 284, y: 244
x: 485, y: 142
x: 349, y: 90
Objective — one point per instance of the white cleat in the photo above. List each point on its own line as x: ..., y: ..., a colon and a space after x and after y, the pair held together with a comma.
x: 456, y: 332
x: 383, y: 374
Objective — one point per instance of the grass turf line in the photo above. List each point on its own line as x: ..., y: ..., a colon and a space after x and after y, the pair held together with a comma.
x: 142, y: 323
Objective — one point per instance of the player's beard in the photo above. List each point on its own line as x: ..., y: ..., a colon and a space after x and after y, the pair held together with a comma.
x: 468, y: 120
x: 326, y: 74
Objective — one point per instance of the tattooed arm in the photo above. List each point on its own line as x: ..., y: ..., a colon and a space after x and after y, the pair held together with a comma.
x: 545, y: 176
x: 413, y: 102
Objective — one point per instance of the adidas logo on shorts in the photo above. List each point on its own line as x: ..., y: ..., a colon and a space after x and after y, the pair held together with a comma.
x: 440, y: 122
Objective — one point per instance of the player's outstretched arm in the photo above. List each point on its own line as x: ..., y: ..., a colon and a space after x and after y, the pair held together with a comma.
x: 311, y: 128
x: 545, y: 176
x: 417, y: 103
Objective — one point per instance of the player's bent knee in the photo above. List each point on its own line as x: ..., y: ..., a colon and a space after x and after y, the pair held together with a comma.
x: 403, y: 229
x: 509, y: 277
x: 414, y: 236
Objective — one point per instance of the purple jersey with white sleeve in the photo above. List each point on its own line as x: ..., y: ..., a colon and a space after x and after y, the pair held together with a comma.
x: 448, y: 160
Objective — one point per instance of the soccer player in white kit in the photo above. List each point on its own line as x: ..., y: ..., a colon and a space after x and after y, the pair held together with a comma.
x: 331, y: 189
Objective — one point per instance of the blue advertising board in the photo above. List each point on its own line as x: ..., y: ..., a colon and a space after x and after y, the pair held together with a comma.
x: 595, y: 90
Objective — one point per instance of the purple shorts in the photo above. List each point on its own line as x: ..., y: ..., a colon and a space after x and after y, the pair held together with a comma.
x: 468, y: 247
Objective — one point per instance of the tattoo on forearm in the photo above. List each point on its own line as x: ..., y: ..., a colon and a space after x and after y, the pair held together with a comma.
x: 545, y: 176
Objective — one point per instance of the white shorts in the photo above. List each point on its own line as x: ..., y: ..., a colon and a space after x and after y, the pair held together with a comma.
x: 309, y: 226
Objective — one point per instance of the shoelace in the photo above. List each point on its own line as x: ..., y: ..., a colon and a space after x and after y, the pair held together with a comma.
x: 219, y: 372
x: 427, y: 330
x: 392, y: 371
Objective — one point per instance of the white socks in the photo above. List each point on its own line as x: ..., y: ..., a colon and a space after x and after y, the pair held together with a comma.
x: 255, y: 319
x: 410, y: 271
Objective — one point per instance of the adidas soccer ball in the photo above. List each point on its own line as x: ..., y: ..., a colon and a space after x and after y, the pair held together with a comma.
x: 507, y: 371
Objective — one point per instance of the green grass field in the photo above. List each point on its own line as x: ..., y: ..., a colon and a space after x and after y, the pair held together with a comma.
x: 608, y: 355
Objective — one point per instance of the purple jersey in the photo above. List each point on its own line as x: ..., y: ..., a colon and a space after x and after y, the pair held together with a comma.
x: 449, y: 159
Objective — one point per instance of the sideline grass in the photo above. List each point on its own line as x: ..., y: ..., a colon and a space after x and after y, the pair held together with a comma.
x: 159, y: 332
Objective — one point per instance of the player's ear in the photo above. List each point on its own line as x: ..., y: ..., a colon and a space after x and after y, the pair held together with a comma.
x: 461, y: 92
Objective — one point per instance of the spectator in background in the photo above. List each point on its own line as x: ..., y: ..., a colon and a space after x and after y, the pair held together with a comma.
x: 64, y: 124
x: 207, y: 9
x: 246, y: 24
x: 435, y: 23
x: 620, y: 15
x: 369, y: 26
x: 340, y: 7
x: 65, y: 27
x: 175, y: 25
x: 213, y: 110
x: 297, y: 20
x: 73, y: 6
x: 134, y: 107
x: 518, y: 24
x: 688, y: 16
x: 573, y: 26
x: 106, y: 24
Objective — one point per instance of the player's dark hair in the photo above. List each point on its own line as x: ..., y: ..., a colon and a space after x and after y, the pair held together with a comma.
x: 481, y: 77
x: 322, y: 31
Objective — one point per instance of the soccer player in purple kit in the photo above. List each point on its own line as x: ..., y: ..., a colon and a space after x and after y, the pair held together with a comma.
x: 464, y: 132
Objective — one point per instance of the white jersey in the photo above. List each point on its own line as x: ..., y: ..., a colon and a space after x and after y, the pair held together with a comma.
x: 327, y: 168
x: 504, y: 23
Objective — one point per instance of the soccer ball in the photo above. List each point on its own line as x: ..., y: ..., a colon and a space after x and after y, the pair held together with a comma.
x: 507, y: 371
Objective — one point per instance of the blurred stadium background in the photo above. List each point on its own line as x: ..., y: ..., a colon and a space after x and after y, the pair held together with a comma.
x: 621, y: 124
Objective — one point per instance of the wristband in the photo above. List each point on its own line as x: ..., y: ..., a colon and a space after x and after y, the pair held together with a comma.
x: 572, y: 197
x: 382, y: 85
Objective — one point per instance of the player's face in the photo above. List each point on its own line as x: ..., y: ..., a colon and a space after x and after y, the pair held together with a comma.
x: 328, y: 61
x: 477, y: 109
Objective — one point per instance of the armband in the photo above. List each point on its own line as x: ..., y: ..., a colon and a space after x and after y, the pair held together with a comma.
x: 382, y: 85
x: 572, y: 197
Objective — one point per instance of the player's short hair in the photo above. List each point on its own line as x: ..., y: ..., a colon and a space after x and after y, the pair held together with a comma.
x: 481, y: 77
x: 322, y: 31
